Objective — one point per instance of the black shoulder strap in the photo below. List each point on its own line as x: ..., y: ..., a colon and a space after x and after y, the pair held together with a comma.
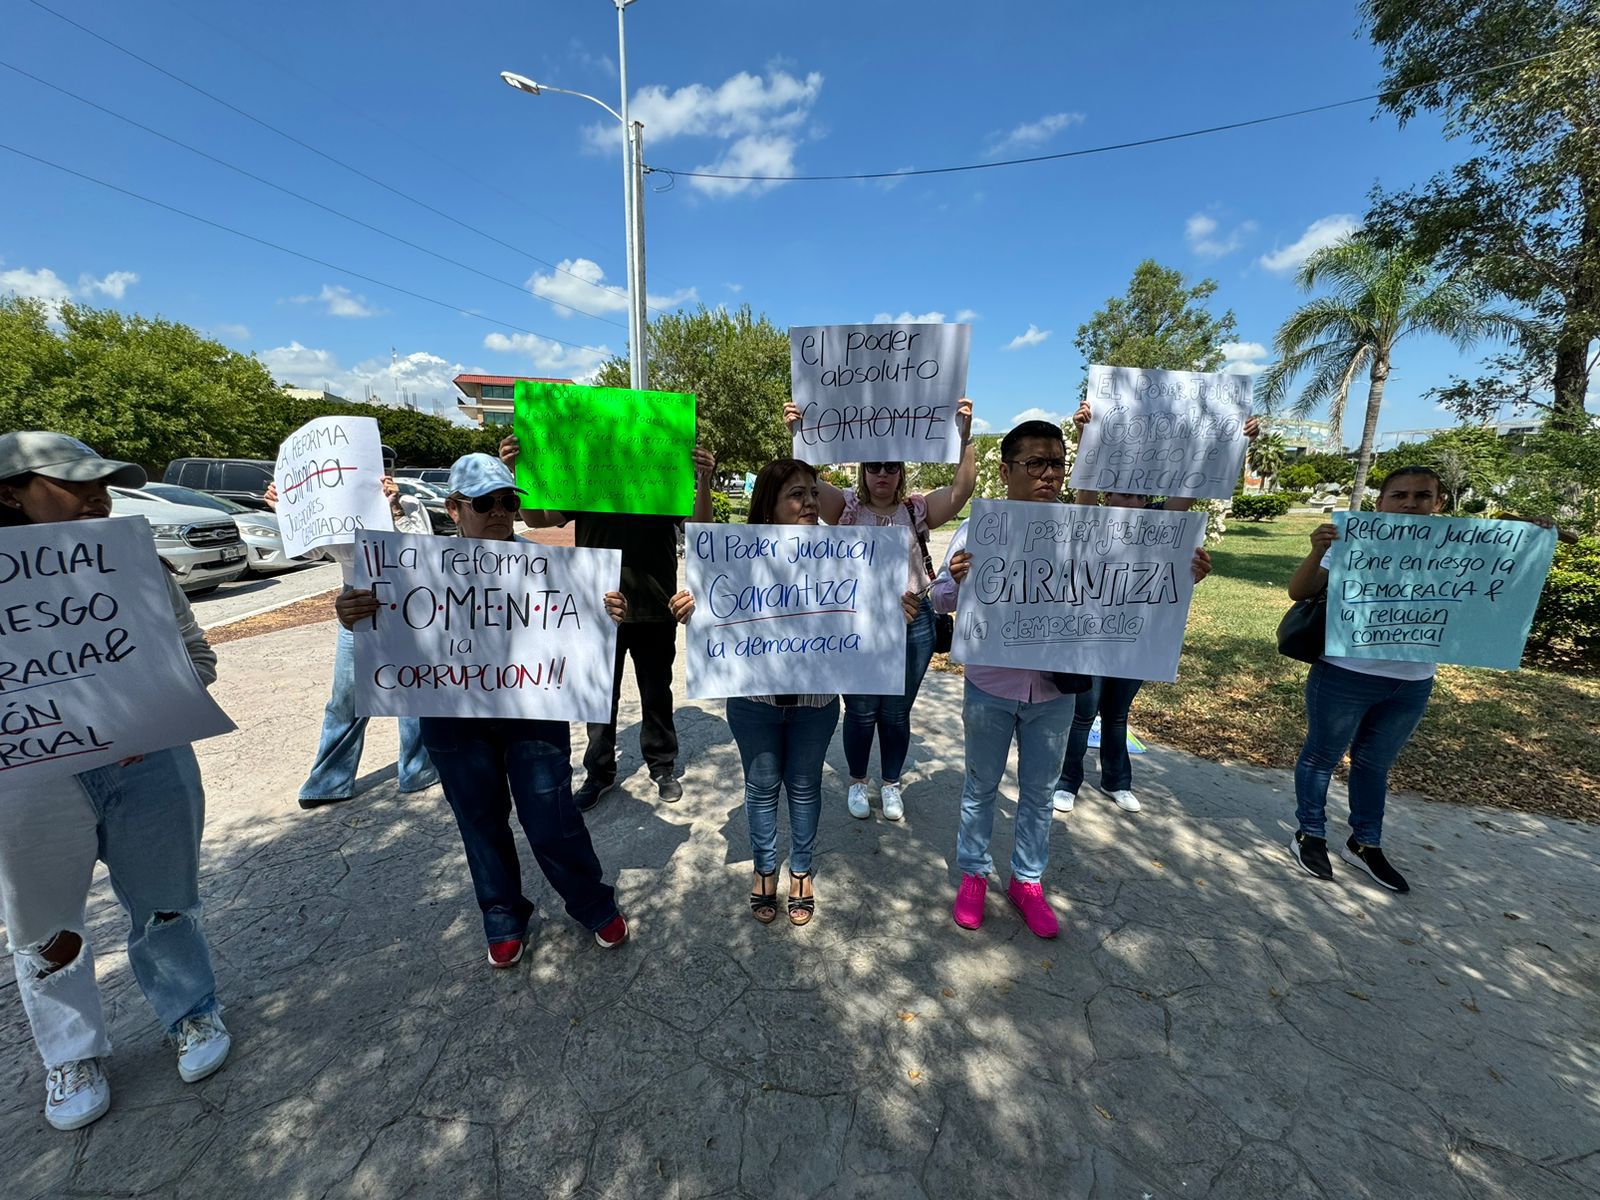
x: 922, y: 540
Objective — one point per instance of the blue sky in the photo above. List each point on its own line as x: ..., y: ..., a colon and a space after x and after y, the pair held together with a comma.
x: 408, y: 93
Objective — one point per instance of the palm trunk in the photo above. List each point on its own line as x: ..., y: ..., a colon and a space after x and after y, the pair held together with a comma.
x: 1369, y: 431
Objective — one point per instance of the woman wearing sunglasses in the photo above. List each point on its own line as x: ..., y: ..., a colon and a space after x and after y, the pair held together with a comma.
x: 880, y: 498
x: 488, y: 764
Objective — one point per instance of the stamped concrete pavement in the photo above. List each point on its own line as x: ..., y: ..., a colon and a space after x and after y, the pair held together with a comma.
x: 1212, y: 1023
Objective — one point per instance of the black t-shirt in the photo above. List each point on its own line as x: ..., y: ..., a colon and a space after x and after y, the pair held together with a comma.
x: 649, y: 548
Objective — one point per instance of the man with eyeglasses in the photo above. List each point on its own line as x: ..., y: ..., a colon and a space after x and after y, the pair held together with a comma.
x: 1002, y: 704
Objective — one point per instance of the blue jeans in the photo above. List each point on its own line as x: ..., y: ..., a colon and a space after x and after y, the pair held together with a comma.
x: 1111, y: 698
x: 1373, y: 717
x: 486, y: 765
x: 333, y: 775
x: 890, y: 716
x: 1040, y: 731
x: 782, y: 746
x: 144, y: 821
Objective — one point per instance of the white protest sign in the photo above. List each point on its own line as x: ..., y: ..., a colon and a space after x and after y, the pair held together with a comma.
x: 796, y: 608
x: 92, y: 669
x: 1069, y: 587
x: 330, y: 483
x: 472, y: 628
x: 878, y: 392
x: 1163, y: 433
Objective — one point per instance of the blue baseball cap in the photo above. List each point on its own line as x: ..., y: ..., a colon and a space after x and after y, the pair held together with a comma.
x: 475, y: 475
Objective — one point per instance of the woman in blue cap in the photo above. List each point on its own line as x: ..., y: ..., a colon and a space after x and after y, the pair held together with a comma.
x: 488, y: 764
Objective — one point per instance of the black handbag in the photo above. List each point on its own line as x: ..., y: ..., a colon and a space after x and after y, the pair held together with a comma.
x: 1304, y: 629
x: 944, y: 625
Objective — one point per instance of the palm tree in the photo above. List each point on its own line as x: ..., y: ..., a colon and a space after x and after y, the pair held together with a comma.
x: 1380, y: 295
x: 1266, y: 455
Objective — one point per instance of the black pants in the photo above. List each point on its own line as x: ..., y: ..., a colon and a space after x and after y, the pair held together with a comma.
x: 653, y: 645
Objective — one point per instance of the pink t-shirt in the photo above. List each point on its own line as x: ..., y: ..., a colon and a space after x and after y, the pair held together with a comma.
x: 856, y: 513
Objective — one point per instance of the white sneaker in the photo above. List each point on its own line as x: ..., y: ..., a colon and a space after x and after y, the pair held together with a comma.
x: 857, y: 801
x: 1064, y: 801
x: 893, y: 807
x: 76, y: 1095
x: 203, y: 1045
x: 1126, y: 800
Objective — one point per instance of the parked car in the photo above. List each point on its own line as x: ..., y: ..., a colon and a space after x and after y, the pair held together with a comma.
x: 438, y: 475
x: 201, y: 545
x: 242, y: 480
x: 258, y: 529
x: 432, y: 499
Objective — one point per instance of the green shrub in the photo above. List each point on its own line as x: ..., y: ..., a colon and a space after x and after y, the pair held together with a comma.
x: 721, y: 508
x: 1566, y: 626
x: 1475, y: 505
x: 1261, y: 508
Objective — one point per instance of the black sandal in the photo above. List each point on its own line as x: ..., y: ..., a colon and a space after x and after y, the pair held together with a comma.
x: 765, y: 901
x: 801, y: 908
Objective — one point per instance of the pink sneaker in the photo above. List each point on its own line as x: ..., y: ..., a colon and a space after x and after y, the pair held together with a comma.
x: 968, y: 908
x: 1028, y: 899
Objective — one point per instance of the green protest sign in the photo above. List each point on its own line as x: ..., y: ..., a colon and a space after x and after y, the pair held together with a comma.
x: 593, y: 449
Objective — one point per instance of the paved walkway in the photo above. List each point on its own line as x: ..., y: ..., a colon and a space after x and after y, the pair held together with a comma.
x: 1211, y: 1023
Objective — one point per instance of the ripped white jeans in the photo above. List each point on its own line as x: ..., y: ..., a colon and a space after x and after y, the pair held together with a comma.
x: 144, y: 822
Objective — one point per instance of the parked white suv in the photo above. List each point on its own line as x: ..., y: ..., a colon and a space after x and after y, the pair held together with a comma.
x: 201, y: 545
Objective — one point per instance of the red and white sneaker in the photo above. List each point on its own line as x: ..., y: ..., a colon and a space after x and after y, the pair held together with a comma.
x: 1028, y: 899
x: 507, y: 953
x: 613, y: 933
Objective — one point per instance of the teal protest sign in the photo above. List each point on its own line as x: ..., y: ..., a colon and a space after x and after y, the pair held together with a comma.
x: 1435, y: 589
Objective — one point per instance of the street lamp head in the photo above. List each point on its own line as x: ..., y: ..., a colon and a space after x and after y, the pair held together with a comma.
x: 521, y: 82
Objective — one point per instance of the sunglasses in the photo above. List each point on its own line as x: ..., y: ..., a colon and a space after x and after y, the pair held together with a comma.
x: 881, y: 468
x: 505, y: 501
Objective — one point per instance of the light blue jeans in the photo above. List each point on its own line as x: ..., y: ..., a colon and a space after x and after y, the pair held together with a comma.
x: 889, y: 716
x: 144, y: 822
x: 1041, y: 732
x: 782, y: 746
x: 333, y: 775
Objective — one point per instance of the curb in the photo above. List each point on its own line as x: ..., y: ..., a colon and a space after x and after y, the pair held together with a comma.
x: 256, y: 612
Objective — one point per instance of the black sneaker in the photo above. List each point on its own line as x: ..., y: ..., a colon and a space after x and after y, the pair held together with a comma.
x: 1312, y: 854
x: 591, y: 793
x: 1371, y: 860
x: 668, y: 788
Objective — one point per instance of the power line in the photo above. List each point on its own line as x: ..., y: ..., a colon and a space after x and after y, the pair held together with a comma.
x: 1108, y: 148
x: 514, y: 286
x: 310, y: 258
x: 234, y: 108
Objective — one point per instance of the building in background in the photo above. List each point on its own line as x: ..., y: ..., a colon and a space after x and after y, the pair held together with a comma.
x: 1521, y: 427
x: 1302, y: 436
x: 488, y: 399
x: 295, y: 393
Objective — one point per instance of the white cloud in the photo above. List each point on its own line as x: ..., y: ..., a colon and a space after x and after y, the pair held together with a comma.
x: 1244, y: 358
x: 735, y: 288
x: 44, y: 284
x: 551, y: 357
x: 1037, y: 414
x: 1321, y: 233
x: 907, y: 317
x: 580, y: 283
x: 581, y: 54
x: 113, y: 285
x: 1033, y: 134
x: 238, y: 332
x: 1032, y: 337
x: 754, y: 154
x: 979, y: 425
x: 426, y: 375
x: 966, y: 315
x: 1203, y: 233
x: 340, y: 302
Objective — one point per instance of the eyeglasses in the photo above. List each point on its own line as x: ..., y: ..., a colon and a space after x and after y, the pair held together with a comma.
x: 881, y: 468
x: 1038, y: 468
x: 505, y: 501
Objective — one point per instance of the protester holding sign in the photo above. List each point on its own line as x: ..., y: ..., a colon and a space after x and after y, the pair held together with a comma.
x: 1367, y: 706
x: 783, y: 739
x: 487, y: 764
x: 1005, y: 703
x: 880, y: 498
x: 142, y: 817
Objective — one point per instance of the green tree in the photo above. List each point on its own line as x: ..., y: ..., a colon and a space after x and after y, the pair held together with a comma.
x: 1266, y: 455
x: 1557, y: 475
x: 737, y: 364
x: 1521, y: 80
x: 1159, y: 323
x: 32, y: 359
x: 1470, y: 458
x: 1380, y: 295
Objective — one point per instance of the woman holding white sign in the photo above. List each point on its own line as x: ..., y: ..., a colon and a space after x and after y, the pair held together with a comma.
x: 143, y: 817
x: 488, y: 765
x: 783, y: 739
x: 880, y: 498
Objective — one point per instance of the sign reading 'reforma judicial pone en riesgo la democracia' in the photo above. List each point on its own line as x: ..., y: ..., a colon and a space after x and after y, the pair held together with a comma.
x: 92, y: 669
x: 330, y: 483
x: 795, y: 608
x: 1434, y: 589
x: 474, y: 628
x: 878, y: 392
x: 1077, y: 588
x: 1163, y: 433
